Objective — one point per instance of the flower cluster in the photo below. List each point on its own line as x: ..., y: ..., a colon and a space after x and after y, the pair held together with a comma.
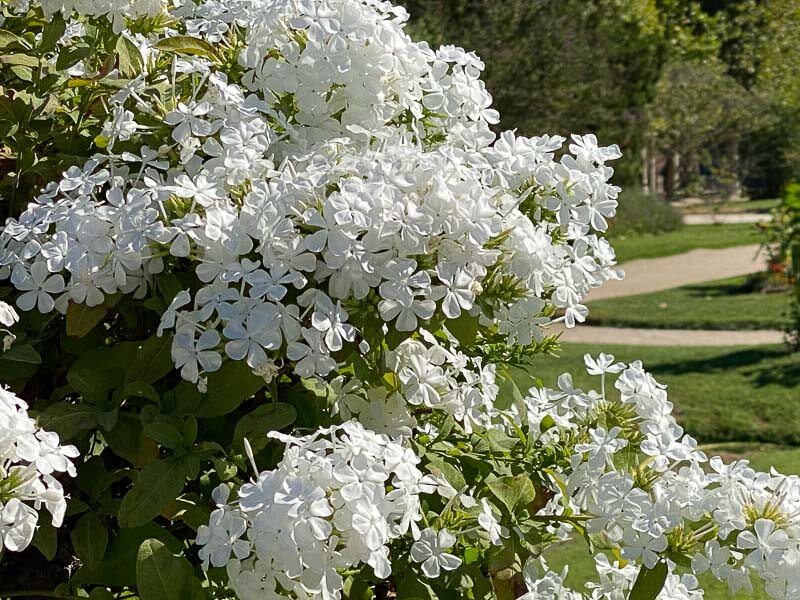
x: 644, y: 486
x: 30, y: 461
x: 116, y: 12
x: 298, y: 185
x: 335, y: 501
x: 349, y: 172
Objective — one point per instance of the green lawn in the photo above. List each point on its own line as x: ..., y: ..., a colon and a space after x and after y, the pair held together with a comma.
x: 724, y: 304
x: 755, y: 206
x: 687, y: 238
x: 728, y: 394
x: 734, y: 393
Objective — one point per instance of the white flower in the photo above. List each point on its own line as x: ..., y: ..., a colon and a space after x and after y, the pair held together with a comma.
x: 8, y: 316
x: 193, y: 355
x: 456, y: 292
x: 29, y: 456
x: 189, y: 121
x: 765, y: 543
x: 490, y: 524
x: 311, y: 355
x: 430, y: 550
x: 38, y: 285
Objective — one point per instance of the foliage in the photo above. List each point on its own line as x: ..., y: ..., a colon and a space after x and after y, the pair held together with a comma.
x: 644, y: 214
x: 281, y: 306
x: 571, y: 65
x: 784, y: 232
x: 610, y: 66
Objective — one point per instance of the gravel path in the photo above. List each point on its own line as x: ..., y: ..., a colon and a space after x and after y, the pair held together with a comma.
x: 583, y: 334
x: 727, y: 218
x: 656, y: 274
x: 652, y: 275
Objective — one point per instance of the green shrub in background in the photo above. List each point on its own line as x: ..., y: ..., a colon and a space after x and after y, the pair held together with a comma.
x: 785, y: 250
x: 642, y: 213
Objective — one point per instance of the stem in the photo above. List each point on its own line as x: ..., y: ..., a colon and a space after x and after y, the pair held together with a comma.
x: 273, y: 389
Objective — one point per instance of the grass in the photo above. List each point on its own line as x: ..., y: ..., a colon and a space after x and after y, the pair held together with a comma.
x: 724, y: 304
x: 754, y: 206
x: 727, y: 394
x: 736, y: 393
x: 690, y: 237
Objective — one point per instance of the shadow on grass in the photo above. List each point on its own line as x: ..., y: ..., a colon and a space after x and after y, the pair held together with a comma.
x: 744, y: 287
x: 761, y: 376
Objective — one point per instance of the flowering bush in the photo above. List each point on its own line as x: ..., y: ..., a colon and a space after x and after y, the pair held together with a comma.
x: 287, y: 239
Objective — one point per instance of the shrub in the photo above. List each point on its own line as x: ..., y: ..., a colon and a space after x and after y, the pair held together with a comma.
x: 282, y: 306
x: 784, y: 244
x: 639, y: 213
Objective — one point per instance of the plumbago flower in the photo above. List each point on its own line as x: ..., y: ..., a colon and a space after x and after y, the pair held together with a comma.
x: 341, y: 183
x: 31, y: 459
x: 295, y: 193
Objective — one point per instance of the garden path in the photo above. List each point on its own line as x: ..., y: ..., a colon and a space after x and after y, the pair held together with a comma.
x: 655, y: 274
x: 726, y: 218
x: 696, y: 266
x: 583, y: 334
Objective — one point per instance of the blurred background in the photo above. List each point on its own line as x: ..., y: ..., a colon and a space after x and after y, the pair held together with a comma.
x: 703, y: 98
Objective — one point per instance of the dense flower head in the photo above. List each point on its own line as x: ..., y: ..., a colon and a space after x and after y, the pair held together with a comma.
x: 299, y: 186
x: 344, y: 171
x: 648, y: 491
x: 31, y: 459
x: 335, y: 501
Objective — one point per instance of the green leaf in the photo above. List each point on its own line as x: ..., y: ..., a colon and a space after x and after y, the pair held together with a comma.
x: 269, y: 417
x: 45, y: 540
x: 160, y: 575
x: 169, y: 285
x: 67, y: 419
x: 191, y: 509
x: 106, y: 480
x: 165, y: 434
x: 139, y: 389
x: 131, y: 62
x: 649, y: 582
x: 118, y: 568
x: 101, y: 594
x: 453, y: 476
x: 153, y: 360
x: 7, y: 38
x: 24, y: 353
x: 184, y: 44
x: 81, y: 318
x: 127, y: 441
x: 464, y: 328
x: 90, y: 539
x: 99, y: 371
x: 495, y: 440
x: 22, y: 60
x: 227, y: 389
x: 51, y: 33
x: 70, y: 56
x: 514, y: 492
x: 158, y: 484
x: 189, y: 432
x: 509, y: 392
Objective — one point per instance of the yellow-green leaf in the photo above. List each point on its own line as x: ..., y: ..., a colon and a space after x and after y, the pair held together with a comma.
x: 184, y: 44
